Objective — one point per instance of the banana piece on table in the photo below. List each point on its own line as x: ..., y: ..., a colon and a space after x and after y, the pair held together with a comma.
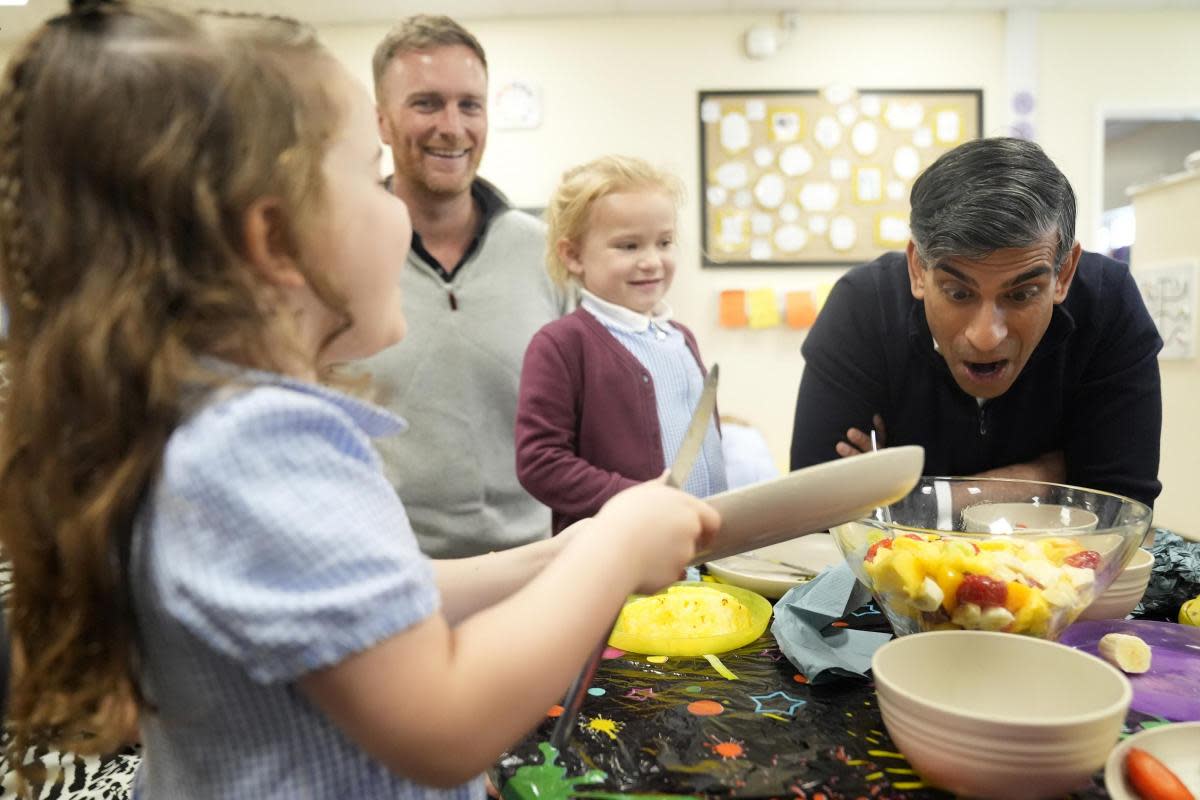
x: 1128, y: 653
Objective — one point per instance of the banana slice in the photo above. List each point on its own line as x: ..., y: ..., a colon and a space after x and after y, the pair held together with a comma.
x: 1128, y: 653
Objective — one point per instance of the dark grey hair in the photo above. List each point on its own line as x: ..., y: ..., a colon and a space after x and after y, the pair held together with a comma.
x: 990, y: 194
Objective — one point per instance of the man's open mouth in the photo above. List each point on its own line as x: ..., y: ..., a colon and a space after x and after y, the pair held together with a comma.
x: 982, y: 370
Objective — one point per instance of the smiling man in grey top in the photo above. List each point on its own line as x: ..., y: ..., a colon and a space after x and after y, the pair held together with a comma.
x: 475, y: 292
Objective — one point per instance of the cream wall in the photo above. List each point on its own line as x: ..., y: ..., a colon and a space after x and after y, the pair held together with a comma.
x: 1164, y: 237
x: 629, y: 85
x: 1094, y: 63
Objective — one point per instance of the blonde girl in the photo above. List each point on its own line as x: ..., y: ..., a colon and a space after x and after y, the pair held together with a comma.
x: 191, y: 232
x: 607, y: 392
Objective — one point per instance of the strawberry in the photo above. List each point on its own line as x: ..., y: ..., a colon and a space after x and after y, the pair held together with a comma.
x: 1084, y: 559
x: 982, y: 591
x: 884, y: 543
x: 1152, y: 779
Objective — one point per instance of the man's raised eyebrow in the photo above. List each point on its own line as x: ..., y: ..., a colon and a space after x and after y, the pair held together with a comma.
x: 962, y: 276
x: 1028, y: 275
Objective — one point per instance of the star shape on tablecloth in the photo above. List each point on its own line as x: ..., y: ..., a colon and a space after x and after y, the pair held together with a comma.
x: 777, y: 707
x: 640, y: 693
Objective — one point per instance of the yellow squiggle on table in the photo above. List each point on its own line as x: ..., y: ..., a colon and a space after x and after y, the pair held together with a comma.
x: 720, y: 668
x: 884, y: 754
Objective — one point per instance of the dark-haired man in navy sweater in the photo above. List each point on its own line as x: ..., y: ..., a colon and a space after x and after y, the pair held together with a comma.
x: 993, y: 341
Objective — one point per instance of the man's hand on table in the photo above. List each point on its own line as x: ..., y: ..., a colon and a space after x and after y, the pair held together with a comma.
x: 1049, y: 467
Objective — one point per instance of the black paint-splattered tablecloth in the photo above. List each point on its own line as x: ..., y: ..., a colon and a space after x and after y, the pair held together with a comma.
x: 654, y: 727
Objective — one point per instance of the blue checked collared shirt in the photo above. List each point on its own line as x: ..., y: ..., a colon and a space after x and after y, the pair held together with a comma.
x: 270, y: 546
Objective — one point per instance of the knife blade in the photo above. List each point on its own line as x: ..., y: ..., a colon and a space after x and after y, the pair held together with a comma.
x: 696, y: 432
x: 681, y: 467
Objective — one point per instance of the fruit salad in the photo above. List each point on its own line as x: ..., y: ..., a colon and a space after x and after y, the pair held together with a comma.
x: 683, y: 612
x: 1031, y: 586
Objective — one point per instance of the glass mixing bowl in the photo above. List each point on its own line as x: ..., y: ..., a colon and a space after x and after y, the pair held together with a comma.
x: 942, y: 559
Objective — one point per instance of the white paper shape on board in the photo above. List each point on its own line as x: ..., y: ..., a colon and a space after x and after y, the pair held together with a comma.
x: 868, y: 184
x: 769, y: 191
x: 864, y: 138
x: 795, y: 160
x: 791, y: 238
x: 761, y: 224
x: 843, y: 233
x: 732, y: 175
x: 948, y: 127
x: 735, y: 132
x: 906, y: 162
x: 1171, y: 293
x: 822, y: 196
x: 870, y: 105
x: 828, y: 132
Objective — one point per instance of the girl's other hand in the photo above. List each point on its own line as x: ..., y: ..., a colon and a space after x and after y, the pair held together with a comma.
x: 657, y: 529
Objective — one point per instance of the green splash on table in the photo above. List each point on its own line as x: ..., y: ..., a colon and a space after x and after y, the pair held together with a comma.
x: 549, y: 781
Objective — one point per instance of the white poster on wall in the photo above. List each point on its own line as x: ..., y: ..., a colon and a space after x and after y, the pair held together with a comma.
x: 1171, y: 290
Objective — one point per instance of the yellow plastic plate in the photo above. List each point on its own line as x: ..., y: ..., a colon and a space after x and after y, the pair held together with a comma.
x: 760, y: 615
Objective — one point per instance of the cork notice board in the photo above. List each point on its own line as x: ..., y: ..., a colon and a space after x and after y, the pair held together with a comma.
x: 819, y: 177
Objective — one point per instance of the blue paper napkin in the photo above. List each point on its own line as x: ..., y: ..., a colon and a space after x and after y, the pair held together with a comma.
x: 802, y: 627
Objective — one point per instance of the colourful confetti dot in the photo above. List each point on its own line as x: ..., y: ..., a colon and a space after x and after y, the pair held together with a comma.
x: 596, y: 691
x: 555, y: 711
x: 729, y: 750
x: 612, y: 652
x: 657, y: 659
x: 693, y: 689
x: 798, y: 678
x: 705, y: 708
x: 608, y: 727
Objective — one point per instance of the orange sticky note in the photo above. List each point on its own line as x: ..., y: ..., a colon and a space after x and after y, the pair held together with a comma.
x: 733, y: 309
x: 800, y: 310
x: 764, y: 308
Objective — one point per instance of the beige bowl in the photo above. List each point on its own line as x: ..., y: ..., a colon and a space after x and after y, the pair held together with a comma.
x: 994, y: 715
x: 1177, y: 746
x: 1126, y: 590
x: 1021, y: 517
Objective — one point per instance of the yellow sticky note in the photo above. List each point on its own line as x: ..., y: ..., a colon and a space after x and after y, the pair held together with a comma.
x: 822, y: 294
x: 764, y: 308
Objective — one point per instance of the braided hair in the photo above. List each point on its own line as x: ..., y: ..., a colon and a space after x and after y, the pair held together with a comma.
x: 132, y: 142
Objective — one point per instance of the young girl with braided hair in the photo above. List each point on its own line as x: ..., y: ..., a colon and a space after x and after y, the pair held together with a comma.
x: 192, y: 232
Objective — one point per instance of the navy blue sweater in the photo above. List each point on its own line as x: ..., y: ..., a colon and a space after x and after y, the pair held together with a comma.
x: 1090, y: 388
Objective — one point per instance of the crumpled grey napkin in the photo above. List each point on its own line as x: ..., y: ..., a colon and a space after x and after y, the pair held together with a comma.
x: 802, y: 627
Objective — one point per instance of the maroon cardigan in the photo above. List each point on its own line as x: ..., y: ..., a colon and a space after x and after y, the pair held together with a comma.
x: 587, y: 421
